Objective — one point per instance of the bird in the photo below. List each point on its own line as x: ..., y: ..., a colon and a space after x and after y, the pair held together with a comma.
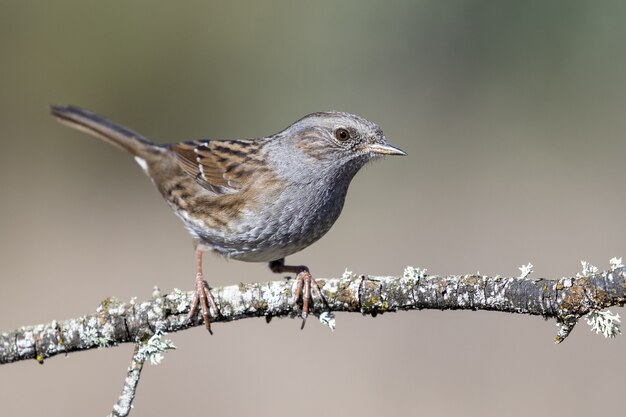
x: 253, y: 200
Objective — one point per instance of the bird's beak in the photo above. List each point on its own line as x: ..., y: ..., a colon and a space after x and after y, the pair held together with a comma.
x: 384, y: 149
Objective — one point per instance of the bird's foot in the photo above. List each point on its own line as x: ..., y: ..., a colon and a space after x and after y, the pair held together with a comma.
x: 305, y: 287
x: 203, y: 298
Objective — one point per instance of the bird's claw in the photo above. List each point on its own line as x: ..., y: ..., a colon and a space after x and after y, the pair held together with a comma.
x: 305, y: 286
x: 202, y: 297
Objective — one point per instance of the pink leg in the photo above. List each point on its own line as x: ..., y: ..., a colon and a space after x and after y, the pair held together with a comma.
x: 202, y: 295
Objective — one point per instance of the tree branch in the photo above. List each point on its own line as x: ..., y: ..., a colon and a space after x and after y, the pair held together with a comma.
x: 124, y: 403
x: 115, y: 322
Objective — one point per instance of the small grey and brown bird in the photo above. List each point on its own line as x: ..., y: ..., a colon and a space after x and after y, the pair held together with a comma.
x: 254, y: 200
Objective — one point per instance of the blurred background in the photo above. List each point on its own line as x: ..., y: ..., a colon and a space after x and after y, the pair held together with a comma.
x: 513, y: 116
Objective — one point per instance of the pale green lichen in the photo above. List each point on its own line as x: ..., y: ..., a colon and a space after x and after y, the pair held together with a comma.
x: 106, y: 338
x: 273, y: 295
x: 525, y: 270
x: 414, y: 273
x: 180, y: 299
x: 154, y: 347
x: 327, y: 318
x: 156, y: 292
x: 88, y: 333
x: 25, y: 343
x: 347, y: 274
x: 615, y: 263
x: 588, y: 269
x: 604, y: 322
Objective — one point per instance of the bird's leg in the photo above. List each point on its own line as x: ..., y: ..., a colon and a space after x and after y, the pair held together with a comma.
x: 305, y: 284
x: 202, y: 295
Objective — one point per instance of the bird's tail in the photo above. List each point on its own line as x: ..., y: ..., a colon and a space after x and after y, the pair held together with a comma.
x: 112, y: 133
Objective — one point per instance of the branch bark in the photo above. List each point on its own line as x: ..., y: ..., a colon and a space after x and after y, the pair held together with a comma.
x: 566, y: 300
x: 124, y: 402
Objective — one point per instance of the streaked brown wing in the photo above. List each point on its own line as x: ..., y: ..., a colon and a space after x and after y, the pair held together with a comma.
x: 221, y: 166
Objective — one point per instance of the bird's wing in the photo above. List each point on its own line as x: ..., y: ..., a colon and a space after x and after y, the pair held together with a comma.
x: 221, y: 166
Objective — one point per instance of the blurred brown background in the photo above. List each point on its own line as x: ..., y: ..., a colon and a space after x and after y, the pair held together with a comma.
x: 514, y: 118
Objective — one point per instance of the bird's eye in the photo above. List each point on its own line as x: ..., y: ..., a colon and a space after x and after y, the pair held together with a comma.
x: 342, y: 134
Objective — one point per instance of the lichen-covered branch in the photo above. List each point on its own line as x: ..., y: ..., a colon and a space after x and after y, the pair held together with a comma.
x: 124, y: 403
x: 150, y: 349
x: 565, y: 299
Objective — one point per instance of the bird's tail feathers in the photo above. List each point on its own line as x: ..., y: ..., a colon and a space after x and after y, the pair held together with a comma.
x: 112, y: 133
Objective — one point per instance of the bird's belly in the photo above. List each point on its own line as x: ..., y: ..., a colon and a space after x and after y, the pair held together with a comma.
x: 277, y: 230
